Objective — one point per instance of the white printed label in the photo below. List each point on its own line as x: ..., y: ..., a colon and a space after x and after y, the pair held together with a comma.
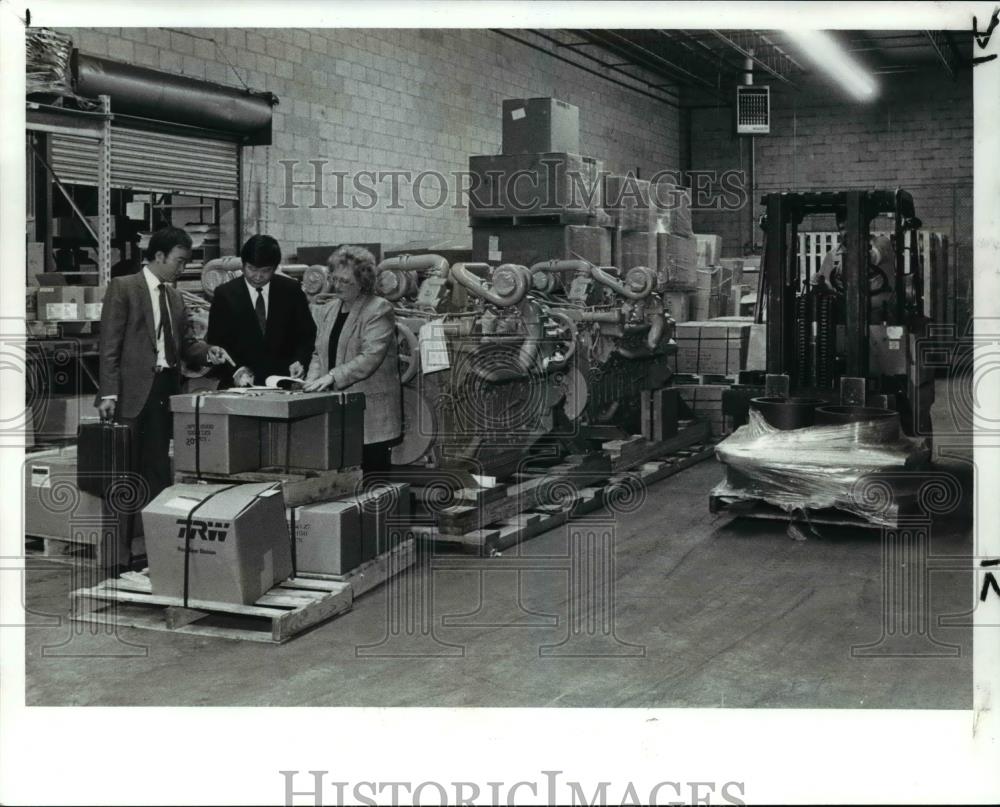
x: 433, y: 347
x: 61, y: 311
x: 184, y: 503
x: 517, y: 114
x: 40, y: 476
x: 92, y: 310
x: 494, y: 256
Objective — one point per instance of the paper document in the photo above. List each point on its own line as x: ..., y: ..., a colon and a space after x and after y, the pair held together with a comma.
x: 433, y: 347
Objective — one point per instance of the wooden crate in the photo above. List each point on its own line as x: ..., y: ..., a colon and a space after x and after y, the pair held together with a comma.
x: 285, y: 611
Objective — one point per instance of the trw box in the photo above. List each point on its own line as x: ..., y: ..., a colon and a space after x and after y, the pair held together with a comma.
x: 235, y: 540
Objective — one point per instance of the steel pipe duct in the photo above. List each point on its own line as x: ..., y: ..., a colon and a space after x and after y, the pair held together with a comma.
x: 153, y: 94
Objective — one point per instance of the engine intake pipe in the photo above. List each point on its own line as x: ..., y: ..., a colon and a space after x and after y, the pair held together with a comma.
x: 638, y: 284
x: 510, y: 282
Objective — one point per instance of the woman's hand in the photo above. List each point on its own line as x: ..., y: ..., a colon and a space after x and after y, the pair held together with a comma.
x: 321, y: 384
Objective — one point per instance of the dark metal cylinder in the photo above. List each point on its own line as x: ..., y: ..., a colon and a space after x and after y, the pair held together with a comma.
x: 869, y: 422
x: 787, y: 413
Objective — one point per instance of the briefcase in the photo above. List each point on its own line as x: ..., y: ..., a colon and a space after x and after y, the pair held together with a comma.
x: 104, y: 455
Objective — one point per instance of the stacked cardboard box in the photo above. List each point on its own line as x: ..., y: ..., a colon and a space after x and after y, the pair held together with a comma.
x: 530, y: 245
x: 680, y: 305
x: 673, y: 206
x: 61, y: 303
x: 705, y: 401
x: 541, y: 184
x: 59, y: 416
x: 233, y: 540
x: 711, y: 347
x: 708, y: 292
x: 532, y: 125
x: 676, y: 261
x: 627, y: 201
x: 238, y: 432
x: 337, y: 536
x: 709, y: 248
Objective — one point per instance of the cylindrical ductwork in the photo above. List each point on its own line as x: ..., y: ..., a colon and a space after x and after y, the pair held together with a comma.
x: 422, y: 264
x: 146, y: 93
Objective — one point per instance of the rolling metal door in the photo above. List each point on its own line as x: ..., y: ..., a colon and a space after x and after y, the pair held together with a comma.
x: 153, y: 161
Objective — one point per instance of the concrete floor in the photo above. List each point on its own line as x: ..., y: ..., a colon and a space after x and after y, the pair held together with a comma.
x: 703, y: 611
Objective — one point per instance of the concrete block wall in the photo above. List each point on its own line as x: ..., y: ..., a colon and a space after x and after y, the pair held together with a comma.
x: 388, y: 99
x: 917, y: 135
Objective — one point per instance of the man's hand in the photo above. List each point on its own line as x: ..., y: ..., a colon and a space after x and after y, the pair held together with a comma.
x: 321, y: 384
x: 106, y: 408
x: 218, y: 355
x: 296, y: 370
x: 243, y: 377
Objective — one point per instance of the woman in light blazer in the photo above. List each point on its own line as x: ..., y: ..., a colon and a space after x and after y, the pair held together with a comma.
x: 356, y: 351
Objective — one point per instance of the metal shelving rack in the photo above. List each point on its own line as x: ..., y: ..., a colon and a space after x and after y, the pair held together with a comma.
x: 94, y: 125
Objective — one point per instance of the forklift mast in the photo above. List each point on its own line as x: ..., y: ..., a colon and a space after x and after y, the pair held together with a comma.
x: 783, y: 282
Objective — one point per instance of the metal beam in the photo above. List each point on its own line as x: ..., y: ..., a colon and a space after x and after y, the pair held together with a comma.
x: 750, y: 44
x: 941, y: 47
x: 59, y: 120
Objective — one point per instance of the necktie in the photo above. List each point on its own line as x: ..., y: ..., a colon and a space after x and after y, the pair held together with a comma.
x: 169, y: 349
x: 261, y: 311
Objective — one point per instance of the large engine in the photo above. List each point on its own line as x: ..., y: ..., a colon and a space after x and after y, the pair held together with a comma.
x: 536, y: 357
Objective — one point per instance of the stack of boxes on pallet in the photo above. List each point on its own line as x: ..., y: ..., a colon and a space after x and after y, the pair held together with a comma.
x: 655, y: 224
x: 246, y: 531
x: 540, y: 199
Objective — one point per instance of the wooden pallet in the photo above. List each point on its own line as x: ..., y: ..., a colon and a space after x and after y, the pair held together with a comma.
x: 285, y: 611
x: 299, y: 486
x: 529, y: 521
x: 829, y: 516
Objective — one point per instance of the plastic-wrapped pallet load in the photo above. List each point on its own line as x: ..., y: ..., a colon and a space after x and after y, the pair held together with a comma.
x: 820, y: 467
x: 674, y: 205
x: 709, y: 249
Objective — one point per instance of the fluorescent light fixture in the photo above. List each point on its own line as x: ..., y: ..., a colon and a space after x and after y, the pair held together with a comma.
x: 829, y: 56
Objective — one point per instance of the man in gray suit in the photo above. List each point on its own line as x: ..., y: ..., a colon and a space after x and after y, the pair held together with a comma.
x: 144, y: 336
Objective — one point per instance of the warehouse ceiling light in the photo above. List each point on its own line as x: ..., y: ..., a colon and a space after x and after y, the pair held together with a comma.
x: 828, y: 55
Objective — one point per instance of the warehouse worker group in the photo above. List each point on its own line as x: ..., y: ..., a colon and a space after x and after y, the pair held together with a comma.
x: 260, y: 325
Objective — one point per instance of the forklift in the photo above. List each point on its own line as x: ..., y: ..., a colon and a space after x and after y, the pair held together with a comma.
x: 849, y: 333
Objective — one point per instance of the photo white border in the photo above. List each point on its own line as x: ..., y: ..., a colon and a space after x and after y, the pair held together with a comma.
x: 222, y: 755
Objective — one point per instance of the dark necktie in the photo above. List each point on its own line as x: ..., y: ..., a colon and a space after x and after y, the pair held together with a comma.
x: 167, y: 331
x: 261, y: 311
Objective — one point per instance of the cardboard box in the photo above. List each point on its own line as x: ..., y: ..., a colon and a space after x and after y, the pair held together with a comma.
x: 547, y: 184
x: 659, y: 413
x: 627, y: 201
x: 34, y: 260
x: 709, y: 249
x: 527, y: 246
x: 52, y: 499
x: 337, y: 536
x: 680, y: 305
x: 638, y: 249
x: 707, y: 306
x: 324, y: 442
x: 673, y: 205
x: 237, y: 548
x: 676, y: 260
x: 93, y: 300
x: 757, y: 347
x: 711, y: 347
x: 59, y: 416
x: 539, y: 124
x: 247, y: 431
x: 61, y: 303
x: 327, y: 537
x: 229, y: 444
x: 705, y: 401
x: 734, y: 265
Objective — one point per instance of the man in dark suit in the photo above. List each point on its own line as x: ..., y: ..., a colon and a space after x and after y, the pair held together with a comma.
x: 262, y: 319
x: 144, y: 336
